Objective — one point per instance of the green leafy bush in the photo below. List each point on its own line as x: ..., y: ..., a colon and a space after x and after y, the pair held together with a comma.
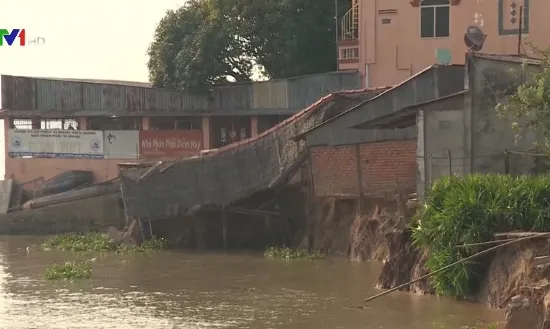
x: 471, y: 209
x: 289, y: 254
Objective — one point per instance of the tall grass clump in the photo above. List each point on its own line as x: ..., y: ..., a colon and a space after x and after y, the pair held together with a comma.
x: 471, y: 209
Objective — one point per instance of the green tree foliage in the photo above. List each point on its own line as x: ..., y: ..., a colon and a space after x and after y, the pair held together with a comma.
x: 206, y: 41
x: 529, y: 106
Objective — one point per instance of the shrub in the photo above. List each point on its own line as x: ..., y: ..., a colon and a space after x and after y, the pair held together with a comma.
x: 471, y: 209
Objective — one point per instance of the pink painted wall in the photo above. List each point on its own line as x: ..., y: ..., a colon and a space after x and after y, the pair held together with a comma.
x: 395, y: 51
x: 24, y: 170
x: 27, y: 169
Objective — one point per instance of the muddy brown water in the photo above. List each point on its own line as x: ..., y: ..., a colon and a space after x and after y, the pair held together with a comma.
x: 212, y: 290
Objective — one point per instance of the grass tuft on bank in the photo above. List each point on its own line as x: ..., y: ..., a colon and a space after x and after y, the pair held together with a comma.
x: 98, y: 242
x: 471, y: 209
x: 69, y: 271
x: 290, y: 254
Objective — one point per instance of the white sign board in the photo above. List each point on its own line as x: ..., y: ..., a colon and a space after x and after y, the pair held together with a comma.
x: 121, y: 144
x: 56, y: 143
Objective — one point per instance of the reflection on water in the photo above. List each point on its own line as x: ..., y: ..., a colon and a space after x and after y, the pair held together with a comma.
x: 186, y: 290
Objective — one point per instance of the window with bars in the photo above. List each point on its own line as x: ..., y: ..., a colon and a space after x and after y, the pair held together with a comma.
x: 59, y: 124
x: 21, y: 124
x: 349, y: 53
x: 435, y: 18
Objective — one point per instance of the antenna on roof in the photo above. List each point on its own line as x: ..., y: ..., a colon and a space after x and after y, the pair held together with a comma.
x: 474, y: 38
x: 443, y: 56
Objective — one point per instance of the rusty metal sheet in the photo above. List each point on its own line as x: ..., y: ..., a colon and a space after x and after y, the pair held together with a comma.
x: 18, y: 93
x: 236, y: 96
x: 270, y: 94
x: 58, y: 95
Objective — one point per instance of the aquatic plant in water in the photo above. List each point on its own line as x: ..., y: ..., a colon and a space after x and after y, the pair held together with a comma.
x: 98, y: 242
x: 78, y: 242
x: 289, y: 254
x: 69, y: 271
x: 471, y: 209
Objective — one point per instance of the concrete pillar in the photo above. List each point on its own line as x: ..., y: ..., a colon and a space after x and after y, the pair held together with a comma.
x: 36, y: 123
x: 145, y: 123
x: 83, y: 123
x: 254, y: 126
x: 7, y: 127
x: 205, y: 133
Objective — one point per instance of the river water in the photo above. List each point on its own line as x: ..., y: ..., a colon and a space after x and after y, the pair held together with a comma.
x: 212, y: 290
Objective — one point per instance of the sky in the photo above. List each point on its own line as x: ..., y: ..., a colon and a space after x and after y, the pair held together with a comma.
x: 94, y: 39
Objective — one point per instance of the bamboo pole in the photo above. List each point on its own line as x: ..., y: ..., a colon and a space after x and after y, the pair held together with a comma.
x: 486, y: 251
x: 484, y: 243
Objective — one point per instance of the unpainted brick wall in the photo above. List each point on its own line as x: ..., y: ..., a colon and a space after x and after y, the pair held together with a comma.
x: 334, y: 168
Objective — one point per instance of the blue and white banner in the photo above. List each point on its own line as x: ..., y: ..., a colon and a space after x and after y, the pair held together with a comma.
x: 56, y: 143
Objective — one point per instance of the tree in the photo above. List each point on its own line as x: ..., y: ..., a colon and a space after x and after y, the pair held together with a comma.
x: 194, y: 49
x: 529, y: 106
x: 206, y: 41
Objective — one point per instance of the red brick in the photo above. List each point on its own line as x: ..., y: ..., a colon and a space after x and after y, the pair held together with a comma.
x: 335, y: 168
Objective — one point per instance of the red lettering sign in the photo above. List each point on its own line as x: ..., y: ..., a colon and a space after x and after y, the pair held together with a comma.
x: 169, y: 143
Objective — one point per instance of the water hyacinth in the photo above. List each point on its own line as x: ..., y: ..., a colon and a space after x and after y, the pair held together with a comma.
x: 289, y: 254
x: 471, y: 209
x: 98, y: 242
x: 69, y: 271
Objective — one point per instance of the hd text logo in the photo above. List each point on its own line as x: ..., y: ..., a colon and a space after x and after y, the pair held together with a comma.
x: 18, y: 37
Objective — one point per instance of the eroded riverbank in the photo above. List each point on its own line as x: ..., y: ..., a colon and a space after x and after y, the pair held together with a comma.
x: 207, y: 290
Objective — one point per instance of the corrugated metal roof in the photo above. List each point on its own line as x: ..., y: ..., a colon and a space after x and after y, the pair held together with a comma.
x: 406, y: 111
x: 422, y: 87
x: 508, y: 58
x: 69, y: 96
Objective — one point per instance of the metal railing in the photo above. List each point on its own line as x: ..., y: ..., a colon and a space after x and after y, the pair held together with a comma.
x: 350, y: 23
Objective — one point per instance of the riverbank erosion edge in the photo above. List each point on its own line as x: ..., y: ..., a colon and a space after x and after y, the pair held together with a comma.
x: 466, y: 216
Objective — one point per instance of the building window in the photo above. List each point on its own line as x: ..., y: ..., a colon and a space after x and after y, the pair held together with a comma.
x: 435, y: 18
x: 67, y: 124
x: 114, y: 123
x: 162, y: 123
x: 189, y: 123
x: 22, y: 124
x: 349, y: 53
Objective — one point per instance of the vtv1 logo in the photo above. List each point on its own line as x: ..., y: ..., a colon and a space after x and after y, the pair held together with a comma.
x: 10, y: 36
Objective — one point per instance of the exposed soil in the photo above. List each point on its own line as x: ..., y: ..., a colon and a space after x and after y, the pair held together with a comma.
x: 372, y: 230
x: 378, y: 232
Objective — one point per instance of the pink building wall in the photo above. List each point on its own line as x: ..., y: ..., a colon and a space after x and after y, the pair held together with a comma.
x: 391, y: 48
x: 27, y: 169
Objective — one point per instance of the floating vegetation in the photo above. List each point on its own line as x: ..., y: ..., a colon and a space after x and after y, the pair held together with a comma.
x: 152, y: 245
x: 69, y: 271
x: 98, y: 242
x: 79, y: 242
x: 289, y: 254
x: 90, y: 242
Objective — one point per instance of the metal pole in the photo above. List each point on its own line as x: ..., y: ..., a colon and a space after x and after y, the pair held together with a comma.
x: 520, y: 28
x: 336, y: 31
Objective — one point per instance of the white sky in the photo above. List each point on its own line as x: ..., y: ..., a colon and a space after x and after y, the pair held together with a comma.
x: 96, y: 39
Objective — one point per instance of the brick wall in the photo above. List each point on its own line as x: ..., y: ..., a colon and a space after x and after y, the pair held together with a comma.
x: 334, y: 168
